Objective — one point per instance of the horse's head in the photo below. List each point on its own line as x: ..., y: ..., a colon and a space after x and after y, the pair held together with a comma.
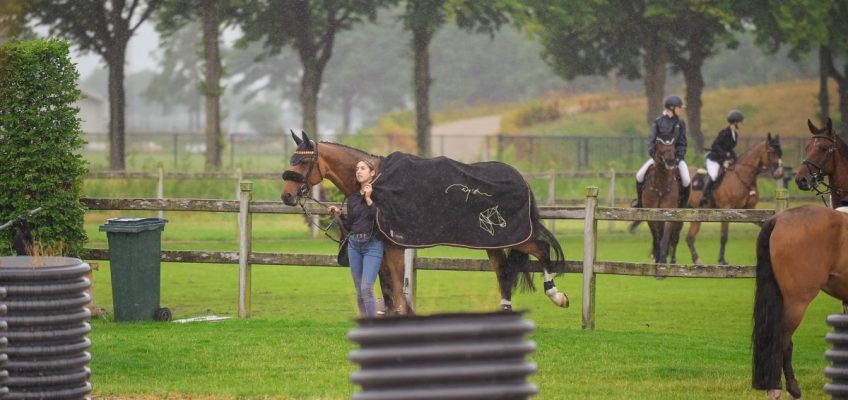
x: 819, y: 157
x: 665, y: 153
x: 771, y: 158
x: 304, y: 171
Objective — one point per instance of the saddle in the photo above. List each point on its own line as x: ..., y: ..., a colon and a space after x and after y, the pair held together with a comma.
x: 700, y: 178
x: 439, y: 201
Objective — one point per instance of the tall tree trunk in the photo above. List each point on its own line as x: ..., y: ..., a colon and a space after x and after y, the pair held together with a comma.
x: 842, y: 87
x: 655, y: 60
x: 421, y: 81
x: 117, y: 106
x: 824, y: 95
x: 309, y: 87
x: 694, y: 88
x: 212, y: 90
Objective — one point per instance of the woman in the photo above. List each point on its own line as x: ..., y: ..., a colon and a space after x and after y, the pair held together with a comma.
x: 721, y: 153
x: 364, y: 249
x: 667, y: 126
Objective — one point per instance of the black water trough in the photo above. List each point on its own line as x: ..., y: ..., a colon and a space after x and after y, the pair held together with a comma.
x: 444, y: 356
x: 46, y: 324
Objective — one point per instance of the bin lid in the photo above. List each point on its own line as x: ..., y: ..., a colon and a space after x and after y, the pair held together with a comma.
x: 132, y: 224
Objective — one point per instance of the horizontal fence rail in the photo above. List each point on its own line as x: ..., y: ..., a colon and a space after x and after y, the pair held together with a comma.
x: 589, y: 266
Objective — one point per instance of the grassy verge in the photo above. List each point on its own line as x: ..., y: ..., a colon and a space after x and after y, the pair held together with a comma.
x: 655, y: 339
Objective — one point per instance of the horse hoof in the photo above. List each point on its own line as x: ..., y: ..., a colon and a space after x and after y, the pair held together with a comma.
x: 557, y: 297
x: 506, y: 307
x: 697, y: 261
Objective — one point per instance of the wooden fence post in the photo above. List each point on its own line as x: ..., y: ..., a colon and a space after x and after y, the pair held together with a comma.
x: 160, y: 188
x: 611, y: 195
x: 781, y: 200
x: 245, y: 223
x: 239, y: 177
x: 410, y: 283
x: 590, y: 235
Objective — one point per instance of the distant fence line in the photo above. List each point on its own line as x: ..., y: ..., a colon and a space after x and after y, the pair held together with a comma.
x: 534, y: 151
x: 590, y: 213
x: 550, y: 198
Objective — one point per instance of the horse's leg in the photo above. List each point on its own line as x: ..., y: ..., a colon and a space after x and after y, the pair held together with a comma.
x: 541, y: 250
x: 506, y: 276
x: 721, y: 260
x: 694, y: 227
x: 655, y: 241
x: 793, y: 315
x: 792, y: 385
x: 393, y: 263
x: 664, y: 242
x: 674, y: 240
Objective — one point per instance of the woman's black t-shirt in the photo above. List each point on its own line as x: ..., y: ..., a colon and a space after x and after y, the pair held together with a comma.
x: 360, y: 217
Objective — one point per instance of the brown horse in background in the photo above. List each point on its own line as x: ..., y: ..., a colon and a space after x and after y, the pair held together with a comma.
x: 662, y: 190
x: 800, y: 252
x: 826, y: 155
x: 336, y: 162
x: 738, y: 187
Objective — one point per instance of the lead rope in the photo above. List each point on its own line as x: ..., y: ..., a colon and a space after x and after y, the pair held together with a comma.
x: 309, y: 216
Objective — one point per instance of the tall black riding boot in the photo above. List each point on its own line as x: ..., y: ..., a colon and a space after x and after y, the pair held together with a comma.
x: 638, y: 202
x: 684, y: 196
x: 707, y: 193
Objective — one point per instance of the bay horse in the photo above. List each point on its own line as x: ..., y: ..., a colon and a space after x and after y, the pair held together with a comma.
x: 800, y: 252
x: 662, y: 190
x: 313, y: 162
x: 826, y: 155
x: 737, y: 188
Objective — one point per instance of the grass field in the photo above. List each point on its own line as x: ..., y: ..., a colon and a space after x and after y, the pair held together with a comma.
x: 655, y: 339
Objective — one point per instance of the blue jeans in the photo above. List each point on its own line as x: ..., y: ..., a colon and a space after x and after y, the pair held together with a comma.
x: 365, y: 259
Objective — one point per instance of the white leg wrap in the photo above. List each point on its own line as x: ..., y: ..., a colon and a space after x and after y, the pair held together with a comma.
x: 505, y: 302
x: 559, y: 298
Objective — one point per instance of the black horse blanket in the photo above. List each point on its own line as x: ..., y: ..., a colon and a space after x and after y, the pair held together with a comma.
x: 427, y: 202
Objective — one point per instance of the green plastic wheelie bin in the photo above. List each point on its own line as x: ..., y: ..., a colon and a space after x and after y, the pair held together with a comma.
x: 135, y: 245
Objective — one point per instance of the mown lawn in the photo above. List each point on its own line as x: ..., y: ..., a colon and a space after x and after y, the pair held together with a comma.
x: 675, y: 338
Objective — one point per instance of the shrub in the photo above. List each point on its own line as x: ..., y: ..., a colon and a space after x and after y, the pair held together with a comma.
x: 40, y: 141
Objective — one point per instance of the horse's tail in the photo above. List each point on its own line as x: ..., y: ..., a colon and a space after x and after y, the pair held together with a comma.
x: 521, y: 262
x: 633, y: 226
x: 767, y: 336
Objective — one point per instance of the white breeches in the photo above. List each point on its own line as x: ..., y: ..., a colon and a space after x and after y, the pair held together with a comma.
x: 684, y: 172
x: 712, y: 169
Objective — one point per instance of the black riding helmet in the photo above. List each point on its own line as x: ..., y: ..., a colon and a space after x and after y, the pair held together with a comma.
x: 735, y: 116
x: 673, y: 101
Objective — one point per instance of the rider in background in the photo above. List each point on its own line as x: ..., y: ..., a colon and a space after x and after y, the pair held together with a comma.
x: 667, y: 126
x: 721, y: 152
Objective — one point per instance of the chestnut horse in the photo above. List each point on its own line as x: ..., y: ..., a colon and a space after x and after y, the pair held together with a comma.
x: 313, y: 162
x: 738, y: 187
x: 826, y: 155
x: 662, y: 190
x: 800, y: 252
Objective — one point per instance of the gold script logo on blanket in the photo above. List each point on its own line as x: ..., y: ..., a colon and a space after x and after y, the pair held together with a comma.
x: 490, y: 218
x: 468, y: 191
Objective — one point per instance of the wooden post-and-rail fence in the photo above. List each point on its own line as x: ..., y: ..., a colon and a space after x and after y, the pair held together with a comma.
x: 591, y: 213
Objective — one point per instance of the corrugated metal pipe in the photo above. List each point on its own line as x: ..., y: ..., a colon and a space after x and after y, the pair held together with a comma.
x: 444, y: 356
x: 46, y: 325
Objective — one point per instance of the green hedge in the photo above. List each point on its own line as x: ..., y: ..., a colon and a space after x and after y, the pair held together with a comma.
x: 40, y: 143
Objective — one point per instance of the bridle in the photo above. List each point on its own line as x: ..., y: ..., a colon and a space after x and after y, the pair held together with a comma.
x: 817, y: 172
x: 770, y: 152
x: 304, y: 192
